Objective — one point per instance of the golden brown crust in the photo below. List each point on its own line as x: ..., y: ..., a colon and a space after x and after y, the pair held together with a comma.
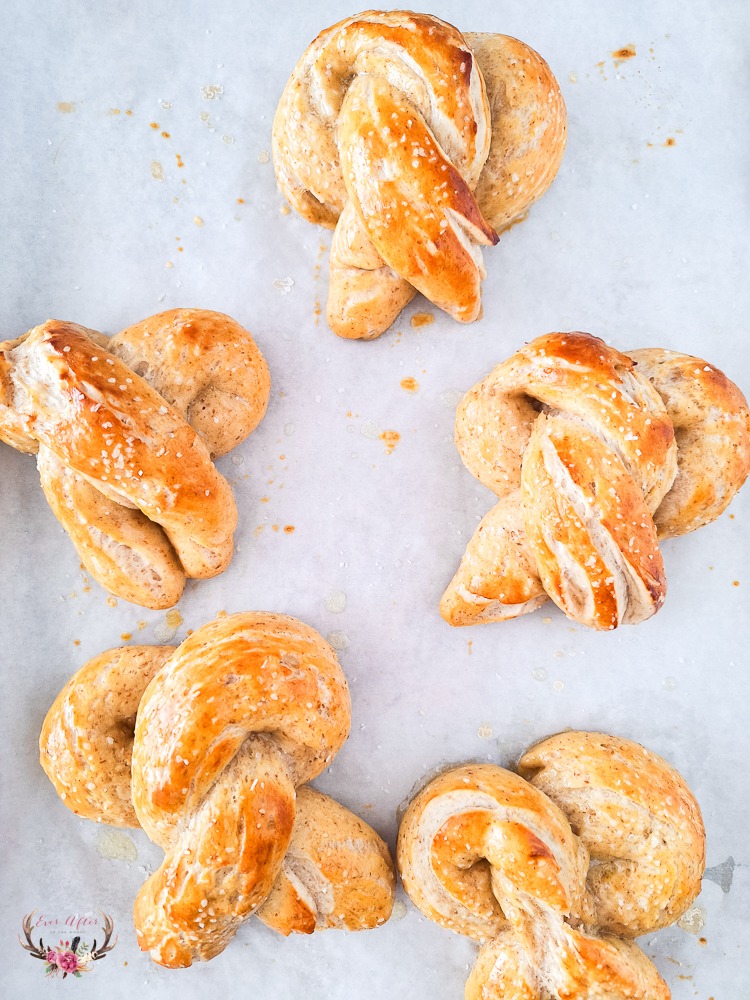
x: 247, y: 673
x: 529, y: 127
x: 86, y: 743
x: 123, y: 550
x: 124, y: 459
x: 223, y: 382
x: 593, y: 455
x: 581, y: 506
x: 246, y: 709
x: 337, y: 872
x: 497, y: 579
x: 583, y: 967
x: 597, y: 840
x: 445, y: 848
x: 382, y: 133
x: 638, y: 820
x: 712, y: 427
x: 249, y: 707
x: 365, y: 295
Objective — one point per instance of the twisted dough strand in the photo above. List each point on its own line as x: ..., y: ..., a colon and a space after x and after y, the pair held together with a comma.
x: 554, y: 870
x: 248, y: 708
x: 594, y: 455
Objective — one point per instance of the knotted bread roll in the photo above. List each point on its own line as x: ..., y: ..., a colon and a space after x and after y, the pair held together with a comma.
x: 231, y: 723
x: 413, y: 142
x: 554, y: 870
x: 594, y: 456
x: 125, y: 430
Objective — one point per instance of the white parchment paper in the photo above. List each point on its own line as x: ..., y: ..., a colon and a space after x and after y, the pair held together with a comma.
x: 136, y: 177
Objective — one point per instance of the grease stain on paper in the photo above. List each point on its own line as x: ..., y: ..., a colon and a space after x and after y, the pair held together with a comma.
x: 622, y: 55
x: 335, y: 602
x: 114, y: 845
x: 692, y: 920
x: 722, y: 875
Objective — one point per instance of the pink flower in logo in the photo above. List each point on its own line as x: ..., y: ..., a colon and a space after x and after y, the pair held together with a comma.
x: 67, y: 961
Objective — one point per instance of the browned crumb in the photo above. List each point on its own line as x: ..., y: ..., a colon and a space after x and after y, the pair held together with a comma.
x: 626, y: 52
x: 390, y: 439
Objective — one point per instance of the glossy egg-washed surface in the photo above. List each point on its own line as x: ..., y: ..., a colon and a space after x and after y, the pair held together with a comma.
x: 413, y: 142
x: 594, y: 456
x: 125, y: 430
x: 247, y: 709
x: 555, y: 869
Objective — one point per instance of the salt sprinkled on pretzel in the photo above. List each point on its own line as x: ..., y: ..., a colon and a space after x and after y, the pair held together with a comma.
x: 594, y: 456
x: 555, y: 869
x: 413, y: 142
x: 125, y: 431
x: 223, y: 733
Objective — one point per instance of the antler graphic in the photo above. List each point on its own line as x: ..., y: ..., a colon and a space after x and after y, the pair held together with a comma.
x: 34, y: 951
x: 97, y: 953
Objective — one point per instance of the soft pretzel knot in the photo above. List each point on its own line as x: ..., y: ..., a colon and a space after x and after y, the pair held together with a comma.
x: 413, y: 142
x: 594, y: 455
x: 554, y: 870
x: 232, y: 722
x: 125, y: 430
